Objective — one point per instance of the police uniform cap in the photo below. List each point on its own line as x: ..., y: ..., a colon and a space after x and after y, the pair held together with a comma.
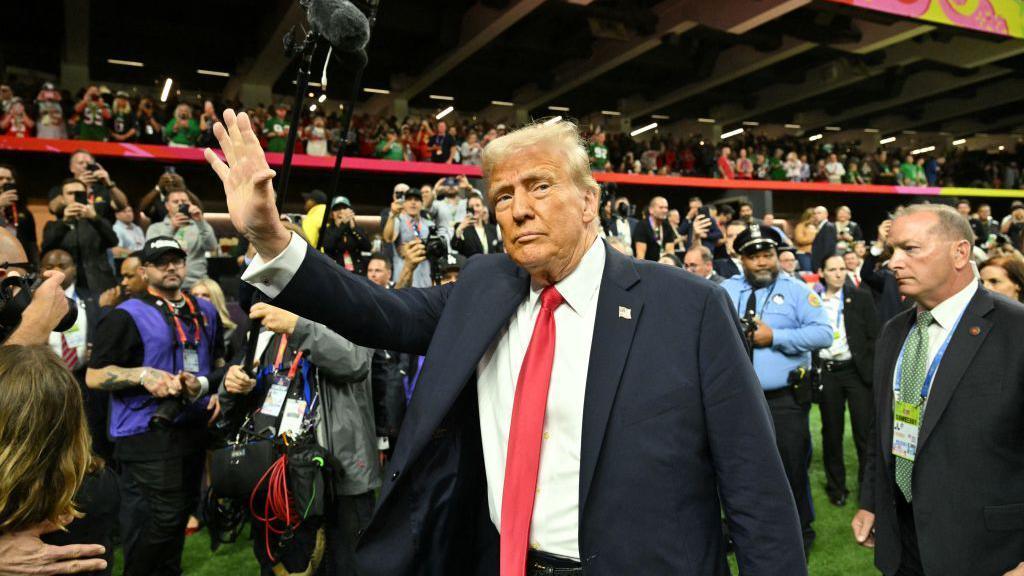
x: 755, y: 239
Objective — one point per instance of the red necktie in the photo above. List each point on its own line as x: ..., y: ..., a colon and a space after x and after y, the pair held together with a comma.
x: 68, y: 354
x: 524, y: 438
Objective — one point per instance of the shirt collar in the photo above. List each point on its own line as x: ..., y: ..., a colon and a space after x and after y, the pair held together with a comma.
x: 947, y: 311
x: 581, y: 285
x: 70, y: 291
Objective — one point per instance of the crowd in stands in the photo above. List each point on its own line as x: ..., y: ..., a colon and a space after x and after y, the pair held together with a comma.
x: 99, y: 114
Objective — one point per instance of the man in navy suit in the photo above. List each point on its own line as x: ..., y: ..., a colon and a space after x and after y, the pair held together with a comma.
x: 577, y: 409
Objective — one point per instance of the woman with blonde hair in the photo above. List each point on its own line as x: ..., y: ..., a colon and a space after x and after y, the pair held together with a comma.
x: 803, y: 237
x: 208, y: 289
x: 45, y: 457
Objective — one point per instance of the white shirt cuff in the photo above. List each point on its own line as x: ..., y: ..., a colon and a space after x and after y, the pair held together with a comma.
x: 204, y: 386
x: 383, y: 443
x: 272, y: 277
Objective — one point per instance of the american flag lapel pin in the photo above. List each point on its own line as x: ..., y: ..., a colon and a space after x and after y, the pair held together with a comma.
x: 625, y: 313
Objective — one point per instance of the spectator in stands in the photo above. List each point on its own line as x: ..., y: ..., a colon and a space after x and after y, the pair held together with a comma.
x: 654, y: 236
x: 1004, y: 276
x: 475, y: 233
x: 234, y: 334
x: 724, y: 166
x: 963, y: 206
x: 16, y: 122
x: 421, y: 142
x: 853, y: 264
x: 803, y: 237
x: 130, y: 236
x: 698, y: 260
x: 186, y: 224
x: 793, y: 167
x: 81, y: 232
x: 153, y: 206
x: 731, y: 265
x: 853, y: 175
x: 163, y: 350
x: 122, y: 125
x: 102, y: 191
x: 450, y: 209
x: 745, y: 213
x: 847, y: 231
x: 875, y: 274
x: 378, y: 270
x: 826, y: 242
x: 132, y: 285
x: 92, y: 115
x: 788, y: 264
x: 50, y: 113
x: 669, y: 259
x: 315, y: 205
x: 45, y: 442
x: 276, y: 129
x: 6, y: 98
x: 933, y: 170
x: 441, y: 144
x: 389, y: 148
x: 14, y: 216
x: 403, y: 226
x: 834, y: 170
x: 744, y: 167
x: 709, y: 235
x: 344, y: 242
x: 1012, y: 225
x: 316, y: 137
x: 983, y: 225
x: 471, y: 151
x: 182, y: 130
x: 148, y: 130
x: 413, y: 253
x: 206, y: 121
x: 622, y: 224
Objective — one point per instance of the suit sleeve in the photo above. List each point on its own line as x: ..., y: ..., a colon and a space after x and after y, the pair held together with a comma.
x: 53, y: 234
x: 106, y: 232
x: 308, y: 283
x: 758, y: 503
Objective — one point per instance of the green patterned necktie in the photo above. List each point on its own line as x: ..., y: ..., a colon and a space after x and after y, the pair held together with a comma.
x: 914, y: 368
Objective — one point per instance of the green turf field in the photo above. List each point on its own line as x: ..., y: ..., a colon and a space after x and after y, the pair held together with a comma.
x: 834, y: 554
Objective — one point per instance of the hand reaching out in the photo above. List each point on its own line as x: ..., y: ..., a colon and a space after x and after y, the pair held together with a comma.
x: 248, y: 185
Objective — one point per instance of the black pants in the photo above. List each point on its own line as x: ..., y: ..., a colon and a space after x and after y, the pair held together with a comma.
x: 343, y: 520
x: 98, y: 499
x: 793, y: 438
x: 156, y: 498
x: 910, y: 554
x: 839, y: 388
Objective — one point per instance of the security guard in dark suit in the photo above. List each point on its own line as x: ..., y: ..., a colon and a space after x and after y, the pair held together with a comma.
x: 845, y: 369
x: 784, y: 322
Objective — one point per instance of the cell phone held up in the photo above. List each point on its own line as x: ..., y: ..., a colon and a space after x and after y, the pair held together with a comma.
x: 183, y: 209
x: 82, y: 198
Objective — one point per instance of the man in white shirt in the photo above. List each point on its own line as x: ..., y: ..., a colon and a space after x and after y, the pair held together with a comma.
x: 130, y: 236
x: 834, y: 170
x: 576, y: 410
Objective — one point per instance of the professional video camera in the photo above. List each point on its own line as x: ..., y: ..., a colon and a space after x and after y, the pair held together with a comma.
x: 16, y: 294
x: 437, y: 254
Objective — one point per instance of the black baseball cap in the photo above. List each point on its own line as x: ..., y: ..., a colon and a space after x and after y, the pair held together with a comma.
x: 756, y: 238
x: 453, y: 263
x: 414, y: 193
x: 157, y: 246
x: 340, y: 201
x: 317, y: 196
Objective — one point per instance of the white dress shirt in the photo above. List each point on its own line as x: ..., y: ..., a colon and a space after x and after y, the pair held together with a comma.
x: 945, y: 315
x: 77, y: 335
x: 840, y: 348
x: 482, y: 234
x: 555, y: 525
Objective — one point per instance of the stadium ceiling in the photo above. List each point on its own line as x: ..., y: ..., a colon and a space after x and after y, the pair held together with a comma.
x: 807, y: 62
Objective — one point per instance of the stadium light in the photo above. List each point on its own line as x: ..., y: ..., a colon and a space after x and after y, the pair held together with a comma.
x: 440, y: 97
x: 888, y: 140
x: 444, y: 112
x: 312, y: 107
x: 643, y: 129
x: 558, y: 108
x: 816, y: 137
x: 922, y: 150
x: 611, y: 113
x: 502, y: 103
x: 732, y: 133
x: 792, y: 126
x: 659, y: 117
x: 167, y: 90
x: 322, y: 98
x: 871, y: 130
x: 551, y: 121
x: 1001, y: 147
x: 376, y: 91
x: 706, y: 120
x: 960, y: 142
x: 131, y: 63
x: 205, y: 72
x: 750, y: 123
x: 310, y: 95
x: 833, y: 129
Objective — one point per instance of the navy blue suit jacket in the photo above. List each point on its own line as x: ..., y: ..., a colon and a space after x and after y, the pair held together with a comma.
x: 675, y: 426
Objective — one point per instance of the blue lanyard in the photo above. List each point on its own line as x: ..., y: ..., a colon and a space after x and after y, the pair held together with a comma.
x: 930, y: 375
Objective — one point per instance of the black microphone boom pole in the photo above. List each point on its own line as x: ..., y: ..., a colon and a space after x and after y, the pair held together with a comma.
x: 307, y: 48
x: 346, y: 122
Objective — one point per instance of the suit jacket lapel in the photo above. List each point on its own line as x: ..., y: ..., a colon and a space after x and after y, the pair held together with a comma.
x: 969, y: 335
x: 618, y: 313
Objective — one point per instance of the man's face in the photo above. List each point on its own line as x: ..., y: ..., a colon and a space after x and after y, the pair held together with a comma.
x: 175, y: 199
x: 5, y: 177
x: 820, y: 214
x: 923, y: 260
x: 69, y: 190
x: 731, y: 232
x: 984, y: 212
x: 834, y: 272
x: 442, y: 128
x: 413, y: 206
x: 60, y: 260
x: 450, y: 277
x: 726, y: 152
x: 280, y: 113
x: 694, y: 262
x: 964, y: 208
x: 378, y: 272
x: 673, y: 218
x: 126, y: 215
x: 427, y: 191
x: 79, y: 163
x: 746, y: 212
x: 760, y: 268
x: 851, y: 261
x: 544, y: 216
x: 476, y: 207
x: 659, y: 209
x: 166, y: 273
x: 843, y: 214
x: 787, y: 262
x: 132, y: 280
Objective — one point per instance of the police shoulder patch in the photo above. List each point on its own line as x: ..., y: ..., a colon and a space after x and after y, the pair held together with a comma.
x: 813, y: 299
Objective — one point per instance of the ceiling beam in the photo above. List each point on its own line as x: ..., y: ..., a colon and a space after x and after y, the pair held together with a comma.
x: 609, y: 54
x: 266, y: 67
x: 990, y: 96
x: 740, y: 16
x: 963, y: 128
x: 876, y: 36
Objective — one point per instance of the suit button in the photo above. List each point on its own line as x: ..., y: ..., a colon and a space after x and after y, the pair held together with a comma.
x: 360, y: 532
x: 394, y: 476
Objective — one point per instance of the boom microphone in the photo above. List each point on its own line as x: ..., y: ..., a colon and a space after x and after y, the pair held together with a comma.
x: 342, y: 25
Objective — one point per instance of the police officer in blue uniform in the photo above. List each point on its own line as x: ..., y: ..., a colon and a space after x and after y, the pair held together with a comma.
x: 785, y: 323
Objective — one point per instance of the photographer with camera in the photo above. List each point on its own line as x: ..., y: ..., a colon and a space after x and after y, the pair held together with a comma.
x: 475, y: 234
x: 405, y: 224
x: 185, y: 223
x: 148, y: 129
x: 784, y: 323
x: 450, y: 208
x: 102, y: 191
x: 345, y: 242
x: 81, y: 232
x: 92, y: 115
x: 14, y: 216
x: 159, y: 356
x: 182, y: 130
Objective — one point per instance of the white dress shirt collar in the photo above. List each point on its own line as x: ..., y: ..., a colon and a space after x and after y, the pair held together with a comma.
x: 947, y: 311
x: 581, y: 284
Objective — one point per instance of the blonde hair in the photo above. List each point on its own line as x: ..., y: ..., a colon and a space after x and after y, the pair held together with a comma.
x: 218, y: 301
x: 44, y: 442
x: 563, y: 135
